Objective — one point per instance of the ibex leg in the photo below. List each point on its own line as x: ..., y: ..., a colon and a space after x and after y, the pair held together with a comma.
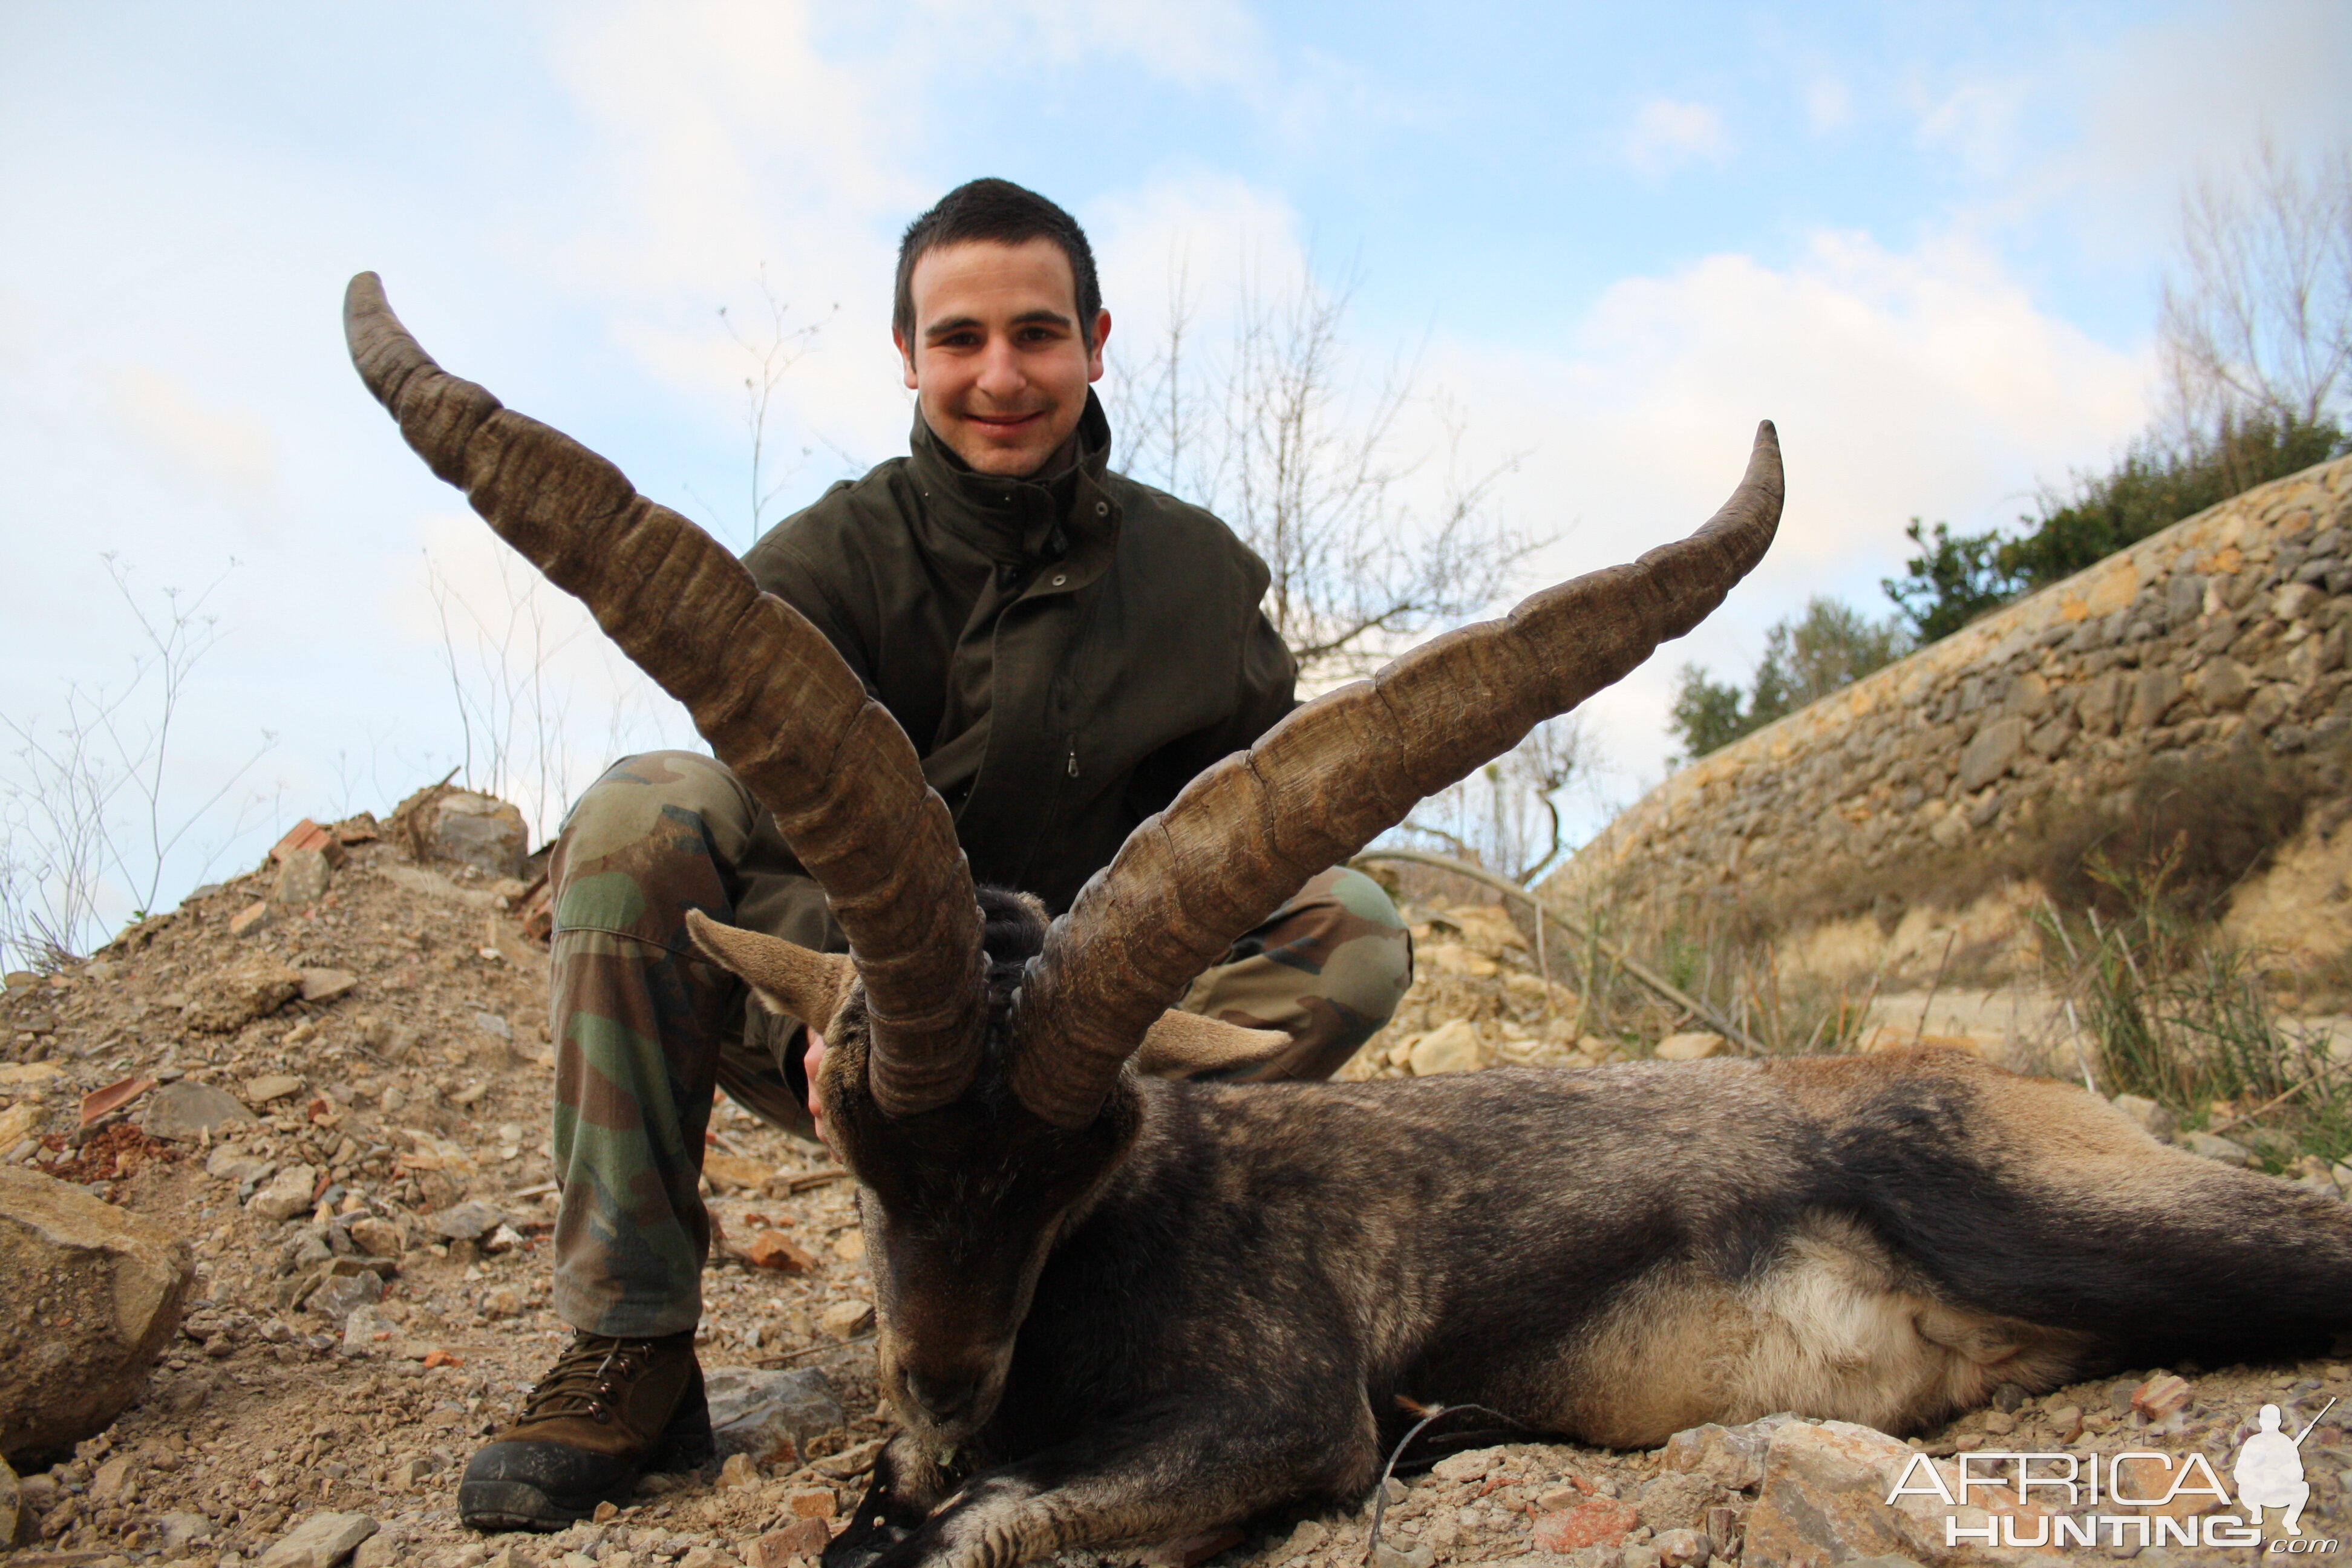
x: 1160, y: 1475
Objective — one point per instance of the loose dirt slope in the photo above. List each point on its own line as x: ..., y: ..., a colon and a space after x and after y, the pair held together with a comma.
x: 416, y: 1085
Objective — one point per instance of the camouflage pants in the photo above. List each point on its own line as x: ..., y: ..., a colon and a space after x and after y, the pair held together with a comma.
x: 646, y: 1031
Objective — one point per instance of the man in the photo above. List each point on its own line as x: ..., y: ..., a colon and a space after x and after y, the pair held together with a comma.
x: 1065, y: 647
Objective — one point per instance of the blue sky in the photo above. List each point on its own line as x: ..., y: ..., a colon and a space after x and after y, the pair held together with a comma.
x: 1926, y: 239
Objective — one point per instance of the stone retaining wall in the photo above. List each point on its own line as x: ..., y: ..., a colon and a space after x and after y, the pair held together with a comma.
x: 2226, y: 630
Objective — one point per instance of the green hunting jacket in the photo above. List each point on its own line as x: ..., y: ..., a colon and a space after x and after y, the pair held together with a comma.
x: 1065, y: 652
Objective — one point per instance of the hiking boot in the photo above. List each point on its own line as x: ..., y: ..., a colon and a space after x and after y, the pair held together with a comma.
x: 607, y: 1411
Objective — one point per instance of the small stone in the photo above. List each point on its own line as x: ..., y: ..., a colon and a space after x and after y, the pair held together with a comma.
x: 336, y: 1300
x: 774, y: 1249
x: 850, y: 1245
x: 376, y: 1237
x: 1730, y: 1456
x: 1452, y: 1046
x: 799, y: 1538
x: 706, y: 1557
x: 303, y: 877
x: 2000, y: 1423
x: 1695, y: 1046
x: 2160, y: 1395
x: 2212, y: 1146
x: 810, y: 1502
x: 1309, y: 1534
x: 112, y: 1480
x: 1387, y: 1556
x: 606, y: 1511
x: 328, y: 984
x: 362, y: 1327
x: 182, y: 1529
x: 288, y: 1193
x: 375, y: 1552
x: 506, y: 1238
x: 187, y: 1110
x: 249, y: 919
x: 11, y: 1507
x: 1638, y: 1554
x: 2151, y: 1118
x: 270, y: 1086
x: 468, y: 1221
x: 20, y: 1120
x: 736, y: 1471
x: 321, y: 1541
x: 846, y: 1319
x: 770, y: 1418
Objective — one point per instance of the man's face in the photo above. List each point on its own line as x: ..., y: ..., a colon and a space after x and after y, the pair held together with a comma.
x: 997, y: 359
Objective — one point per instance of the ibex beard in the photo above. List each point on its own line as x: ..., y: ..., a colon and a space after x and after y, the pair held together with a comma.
x: 1117, y: 1308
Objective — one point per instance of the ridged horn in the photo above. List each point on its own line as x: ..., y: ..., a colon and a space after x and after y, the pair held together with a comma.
x: 775, y: 701
x: 1336, y: 774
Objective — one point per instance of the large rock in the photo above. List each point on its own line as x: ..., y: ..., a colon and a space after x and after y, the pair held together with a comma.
x: 88, y: 1296
x: 185, y: 1111
x: 1824, y: 1500
x: 462, y: 828
x: 771, y: 1416
x: 12, y: 1508
x: 250, y: 988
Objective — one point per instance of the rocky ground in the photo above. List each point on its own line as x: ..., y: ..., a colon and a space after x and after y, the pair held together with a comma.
x: 331, y: 1079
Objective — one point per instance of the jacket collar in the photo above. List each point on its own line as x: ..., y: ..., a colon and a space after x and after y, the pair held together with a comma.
x: 1061, y: 512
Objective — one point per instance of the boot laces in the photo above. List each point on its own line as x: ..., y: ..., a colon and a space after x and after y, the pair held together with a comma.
x: 587, y: 1378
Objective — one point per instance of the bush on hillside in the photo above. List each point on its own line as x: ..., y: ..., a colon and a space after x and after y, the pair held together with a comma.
x: 1806, y: 658
x: 1955, y: 578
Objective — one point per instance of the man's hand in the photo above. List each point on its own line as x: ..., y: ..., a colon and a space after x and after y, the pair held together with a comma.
x: 809, y: 1064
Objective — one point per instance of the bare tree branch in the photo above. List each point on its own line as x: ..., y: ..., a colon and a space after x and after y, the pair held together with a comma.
x: 2259, y: 323
x: 1311, y: 466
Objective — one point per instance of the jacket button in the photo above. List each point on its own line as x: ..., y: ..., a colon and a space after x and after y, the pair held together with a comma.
x: 1059, y: 579
x: 1102, y: 508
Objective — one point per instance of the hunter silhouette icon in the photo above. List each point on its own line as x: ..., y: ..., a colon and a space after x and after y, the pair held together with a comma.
x: 2269, y: 1470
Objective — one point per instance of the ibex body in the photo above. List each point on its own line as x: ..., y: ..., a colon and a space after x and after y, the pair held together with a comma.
x: 1212, y: 1302
x: 1115, y: 1309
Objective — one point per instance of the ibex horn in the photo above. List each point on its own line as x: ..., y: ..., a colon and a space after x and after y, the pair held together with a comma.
x: 764, y: 688
x: 1335, y: 776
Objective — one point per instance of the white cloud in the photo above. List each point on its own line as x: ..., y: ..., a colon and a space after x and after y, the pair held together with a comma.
x: 1976, y: 120
x: 1207, y: 43
x: 1666, y: 134
x: 189, y: 439
x: 1925, y: 381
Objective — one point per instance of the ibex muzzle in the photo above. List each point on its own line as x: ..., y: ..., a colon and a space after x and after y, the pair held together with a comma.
x: 1118, y: 1308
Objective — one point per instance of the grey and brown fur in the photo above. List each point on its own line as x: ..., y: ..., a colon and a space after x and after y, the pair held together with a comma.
x: 1208, y: 1304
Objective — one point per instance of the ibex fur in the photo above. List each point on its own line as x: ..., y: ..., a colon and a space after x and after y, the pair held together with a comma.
x: 1115, y: 1309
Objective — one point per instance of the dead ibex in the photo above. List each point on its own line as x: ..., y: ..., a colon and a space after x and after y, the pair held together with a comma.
x: 1118, y: 1308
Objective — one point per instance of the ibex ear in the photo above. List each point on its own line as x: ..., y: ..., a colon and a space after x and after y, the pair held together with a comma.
x: 786, y: 978
x: 1186, y: 1044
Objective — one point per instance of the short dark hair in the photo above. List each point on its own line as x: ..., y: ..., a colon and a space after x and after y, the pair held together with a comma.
x: 1004, y: 213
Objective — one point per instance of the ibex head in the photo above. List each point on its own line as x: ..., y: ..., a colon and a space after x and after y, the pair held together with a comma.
x: 977, y: 1081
